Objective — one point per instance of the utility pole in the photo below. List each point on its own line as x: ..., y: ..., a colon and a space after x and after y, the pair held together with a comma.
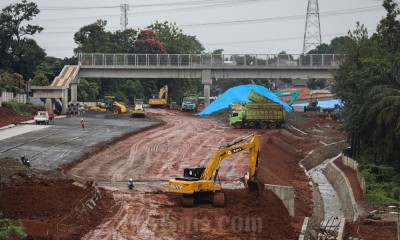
x: 124, y: 16
x: 312, y: 31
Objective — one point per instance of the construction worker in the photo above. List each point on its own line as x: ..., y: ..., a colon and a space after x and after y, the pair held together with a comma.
x: 83, y: 123
x: 130, y: 183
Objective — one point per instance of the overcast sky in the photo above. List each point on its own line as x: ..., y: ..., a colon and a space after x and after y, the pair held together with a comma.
x: 276, y: 24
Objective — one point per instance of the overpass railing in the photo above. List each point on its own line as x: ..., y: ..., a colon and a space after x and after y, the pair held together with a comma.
x: 210, y: 60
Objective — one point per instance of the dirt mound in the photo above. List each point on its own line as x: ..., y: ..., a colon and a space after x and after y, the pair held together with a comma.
x: 41, y: 199
x: 12, y: 170
x: 41, y: 205
x: 9, y: 116
x: 246, y: 215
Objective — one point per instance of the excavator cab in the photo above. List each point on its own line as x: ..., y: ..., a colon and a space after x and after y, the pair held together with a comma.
x: 192, y: 174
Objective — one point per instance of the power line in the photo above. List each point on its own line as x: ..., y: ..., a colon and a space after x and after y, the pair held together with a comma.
x: 208, y: 4
x: 211, y: 24
x: 202, y: 2
x: 292, y: 17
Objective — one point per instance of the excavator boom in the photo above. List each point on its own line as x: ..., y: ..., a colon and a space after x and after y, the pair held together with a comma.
x: 162, y: 98
x: 204, y: 179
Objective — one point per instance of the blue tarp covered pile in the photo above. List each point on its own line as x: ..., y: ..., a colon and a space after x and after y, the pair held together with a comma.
x: 240, y: 94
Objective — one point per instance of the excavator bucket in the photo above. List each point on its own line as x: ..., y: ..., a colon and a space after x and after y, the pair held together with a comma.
x: 250, y: 184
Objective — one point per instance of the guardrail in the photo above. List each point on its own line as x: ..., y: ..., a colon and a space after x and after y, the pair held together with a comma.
x: 211, y: 60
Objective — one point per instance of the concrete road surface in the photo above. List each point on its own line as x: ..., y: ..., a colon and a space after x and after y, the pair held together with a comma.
x: 50, y: 146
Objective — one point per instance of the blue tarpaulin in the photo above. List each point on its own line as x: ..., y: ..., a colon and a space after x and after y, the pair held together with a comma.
x: 323, y: 103
x: 240, y: 94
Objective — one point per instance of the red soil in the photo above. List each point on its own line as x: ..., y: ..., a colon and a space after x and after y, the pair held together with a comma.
x: 9, y: 116
x: 41, y: 204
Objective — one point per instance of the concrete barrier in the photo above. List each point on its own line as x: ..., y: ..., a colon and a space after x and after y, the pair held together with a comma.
x: 342, y: 186
x: 286, y: 194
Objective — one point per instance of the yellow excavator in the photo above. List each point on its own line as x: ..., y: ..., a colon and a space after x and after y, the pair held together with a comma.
x: 162, y: 98
x: 200, y: 183
x: 110, y: 104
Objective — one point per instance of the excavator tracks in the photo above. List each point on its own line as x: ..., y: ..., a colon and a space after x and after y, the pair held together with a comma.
x: 219, y: 199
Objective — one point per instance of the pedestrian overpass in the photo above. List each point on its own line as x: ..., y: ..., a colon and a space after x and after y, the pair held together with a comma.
x: 182, y: 66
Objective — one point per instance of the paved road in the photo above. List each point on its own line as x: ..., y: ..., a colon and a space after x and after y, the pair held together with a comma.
x: 64, y: 142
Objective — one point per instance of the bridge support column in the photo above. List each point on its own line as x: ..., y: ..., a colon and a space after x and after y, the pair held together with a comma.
x: 206, y: 80
x: 64, y: 101
x: 48, y: 105
x: 74, y: 92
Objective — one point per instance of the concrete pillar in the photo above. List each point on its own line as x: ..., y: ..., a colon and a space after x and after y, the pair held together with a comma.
x: 206, y: 80
x: 74, y: 92
x: 64, y: 101
x: 48, y: 105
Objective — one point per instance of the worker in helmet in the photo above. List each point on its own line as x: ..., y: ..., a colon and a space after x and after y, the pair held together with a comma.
x: 83, y: 123
x: 130, y: 184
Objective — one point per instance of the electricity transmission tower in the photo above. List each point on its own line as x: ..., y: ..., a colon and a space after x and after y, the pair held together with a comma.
x: 124, y: 16
x: 312, y: 32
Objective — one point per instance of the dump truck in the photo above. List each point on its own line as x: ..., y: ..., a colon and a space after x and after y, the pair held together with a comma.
x: 190, y: 102
x: 260, y: 113
x: 138, y: 110
x: 161, y: 101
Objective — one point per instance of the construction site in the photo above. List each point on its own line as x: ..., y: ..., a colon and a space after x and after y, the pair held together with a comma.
x: 76, y: 184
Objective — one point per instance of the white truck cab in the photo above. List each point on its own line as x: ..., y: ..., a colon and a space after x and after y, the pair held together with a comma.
x: 42, y: 117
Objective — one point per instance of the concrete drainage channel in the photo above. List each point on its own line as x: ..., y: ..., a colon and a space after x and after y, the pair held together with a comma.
x: 333, y: 213
x: 328, y: 219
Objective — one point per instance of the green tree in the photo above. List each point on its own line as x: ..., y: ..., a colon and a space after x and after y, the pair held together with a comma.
x: 133, y: 89
x: 88, y: 90
x: 174, y: 40
x: 122, y: 41
x: 33, y: 56
x: 368, y: 83
x: 40, y: 80
x: 92, y: 38
x: 13, y: 21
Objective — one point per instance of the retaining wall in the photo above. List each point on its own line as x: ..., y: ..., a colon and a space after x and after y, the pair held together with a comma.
x: 307, y: 231
x: 314, y: 159
x: 322, y: 153
x: 342, y: 186
x: 286, y: 194
x: 353, y: 164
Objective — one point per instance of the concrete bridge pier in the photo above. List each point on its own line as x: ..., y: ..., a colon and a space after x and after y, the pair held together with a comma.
x: 64, y: 101
x: 48, y: 105
x: 74, y: 92
x: 206, y: 80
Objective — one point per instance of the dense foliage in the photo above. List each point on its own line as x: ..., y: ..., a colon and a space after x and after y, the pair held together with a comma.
x: 368, y: 82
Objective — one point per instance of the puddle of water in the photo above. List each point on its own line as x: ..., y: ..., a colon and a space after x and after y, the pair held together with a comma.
x: 230, y: 173
x: 332, y: 205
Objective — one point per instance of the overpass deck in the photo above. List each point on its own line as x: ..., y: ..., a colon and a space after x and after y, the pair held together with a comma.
x: 296, y: 61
